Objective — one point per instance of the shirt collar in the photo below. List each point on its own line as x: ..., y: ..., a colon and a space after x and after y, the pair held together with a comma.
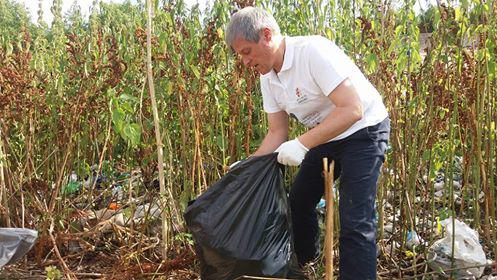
x: 289, y: 52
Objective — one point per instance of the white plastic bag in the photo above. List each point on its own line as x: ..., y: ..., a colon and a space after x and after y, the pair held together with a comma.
x: 467, y: 251
x: 15, y: 243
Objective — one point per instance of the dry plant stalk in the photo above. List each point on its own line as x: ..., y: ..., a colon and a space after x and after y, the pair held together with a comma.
x: 328, y: 241
x: 4, y: 207
x: 69, y: 274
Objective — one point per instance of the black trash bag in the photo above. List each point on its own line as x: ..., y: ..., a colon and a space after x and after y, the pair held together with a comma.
x: 241, y: 224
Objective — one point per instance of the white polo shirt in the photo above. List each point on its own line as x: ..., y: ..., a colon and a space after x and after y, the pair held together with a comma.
x: 313, y: 67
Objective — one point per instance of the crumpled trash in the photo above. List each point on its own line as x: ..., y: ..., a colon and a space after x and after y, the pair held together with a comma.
x: 321, y: 207
x: 413, y: 239
x: 106, y: 217
x: 439, y: 185
x: 71, y: 188
x: 15, y: 243
x: 468, y: 252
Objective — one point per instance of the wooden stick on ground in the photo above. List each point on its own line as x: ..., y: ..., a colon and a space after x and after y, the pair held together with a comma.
x: 328, y: 241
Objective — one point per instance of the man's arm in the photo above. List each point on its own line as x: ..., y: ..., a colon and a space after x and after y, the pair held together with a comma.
x: 348, y: 111
x: 277, y: 133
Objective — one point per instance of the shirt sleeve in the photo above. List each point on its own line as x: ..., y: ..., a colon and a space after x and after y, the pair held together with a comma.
x: 268, y: 102
x: 329, y: 65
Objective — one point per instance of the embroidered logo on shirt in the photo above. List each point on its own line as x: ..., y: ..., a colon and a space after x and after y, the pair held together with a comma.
x: 297, y: 92
x: 301, y: 96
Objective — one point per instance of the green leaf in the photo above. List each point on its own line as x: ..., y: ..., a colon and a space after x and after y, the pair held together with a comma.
x: 372, y: 62
x: 426, y: 154
x: 126, y: 107
x: 220, y: 33
x: 329, y: 34
x: 437, y: 18
x: 132, y: 132
x: 126, y: 97
x: 458, y: 16
x: 118, y: 118
x: 220, y: 143
x: 10, y: 48
x: 195, y: 71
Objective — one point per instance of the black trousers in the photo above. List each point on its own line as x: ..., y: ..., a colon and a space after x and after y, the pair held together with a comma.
x: 358, y: 160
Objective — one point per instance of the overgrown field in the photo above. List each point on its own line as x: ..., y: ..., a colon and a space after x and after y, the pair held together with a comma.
x: 78, y: 157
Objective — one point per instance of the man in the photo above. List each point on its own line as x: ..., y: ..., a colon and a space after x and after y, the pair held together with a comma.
x: 311, y: 79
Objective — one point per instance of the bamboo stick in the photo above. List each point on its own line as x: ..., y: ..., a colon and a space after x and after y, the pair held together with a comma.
x: 328, y: 241
x: 158, y: 138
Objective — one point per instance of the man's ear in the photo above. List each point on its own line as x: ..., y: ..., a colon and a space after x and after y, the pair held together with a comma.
x: 267, y: 34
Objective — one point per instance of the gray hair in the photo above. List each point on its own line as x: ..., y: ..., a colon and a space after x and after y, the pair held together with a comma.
x: 248, y: 23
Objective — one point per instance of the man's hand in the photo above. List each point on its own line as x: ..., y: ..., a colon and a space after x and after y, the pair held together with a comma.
x: 291, y: 152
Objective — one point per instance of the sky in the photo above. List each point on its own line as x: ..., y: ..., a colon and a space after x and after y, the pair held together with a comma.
x: 32, y: 6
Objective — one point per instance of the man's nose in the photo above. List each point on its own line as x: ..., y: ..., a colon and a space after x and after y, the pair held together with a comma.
x: 246, y: 61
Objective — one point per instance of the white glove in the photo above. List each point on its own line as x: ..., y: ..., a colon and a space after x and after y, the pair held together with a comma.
x: 291, y: 152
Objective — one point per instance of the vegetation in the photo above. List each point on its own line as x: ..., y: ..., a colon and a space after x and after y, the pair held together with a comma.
x: 74, y: 99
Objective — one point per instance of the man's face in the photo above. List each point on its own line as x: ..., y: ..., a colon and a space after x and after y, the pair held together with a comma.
x: 256, y: 55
